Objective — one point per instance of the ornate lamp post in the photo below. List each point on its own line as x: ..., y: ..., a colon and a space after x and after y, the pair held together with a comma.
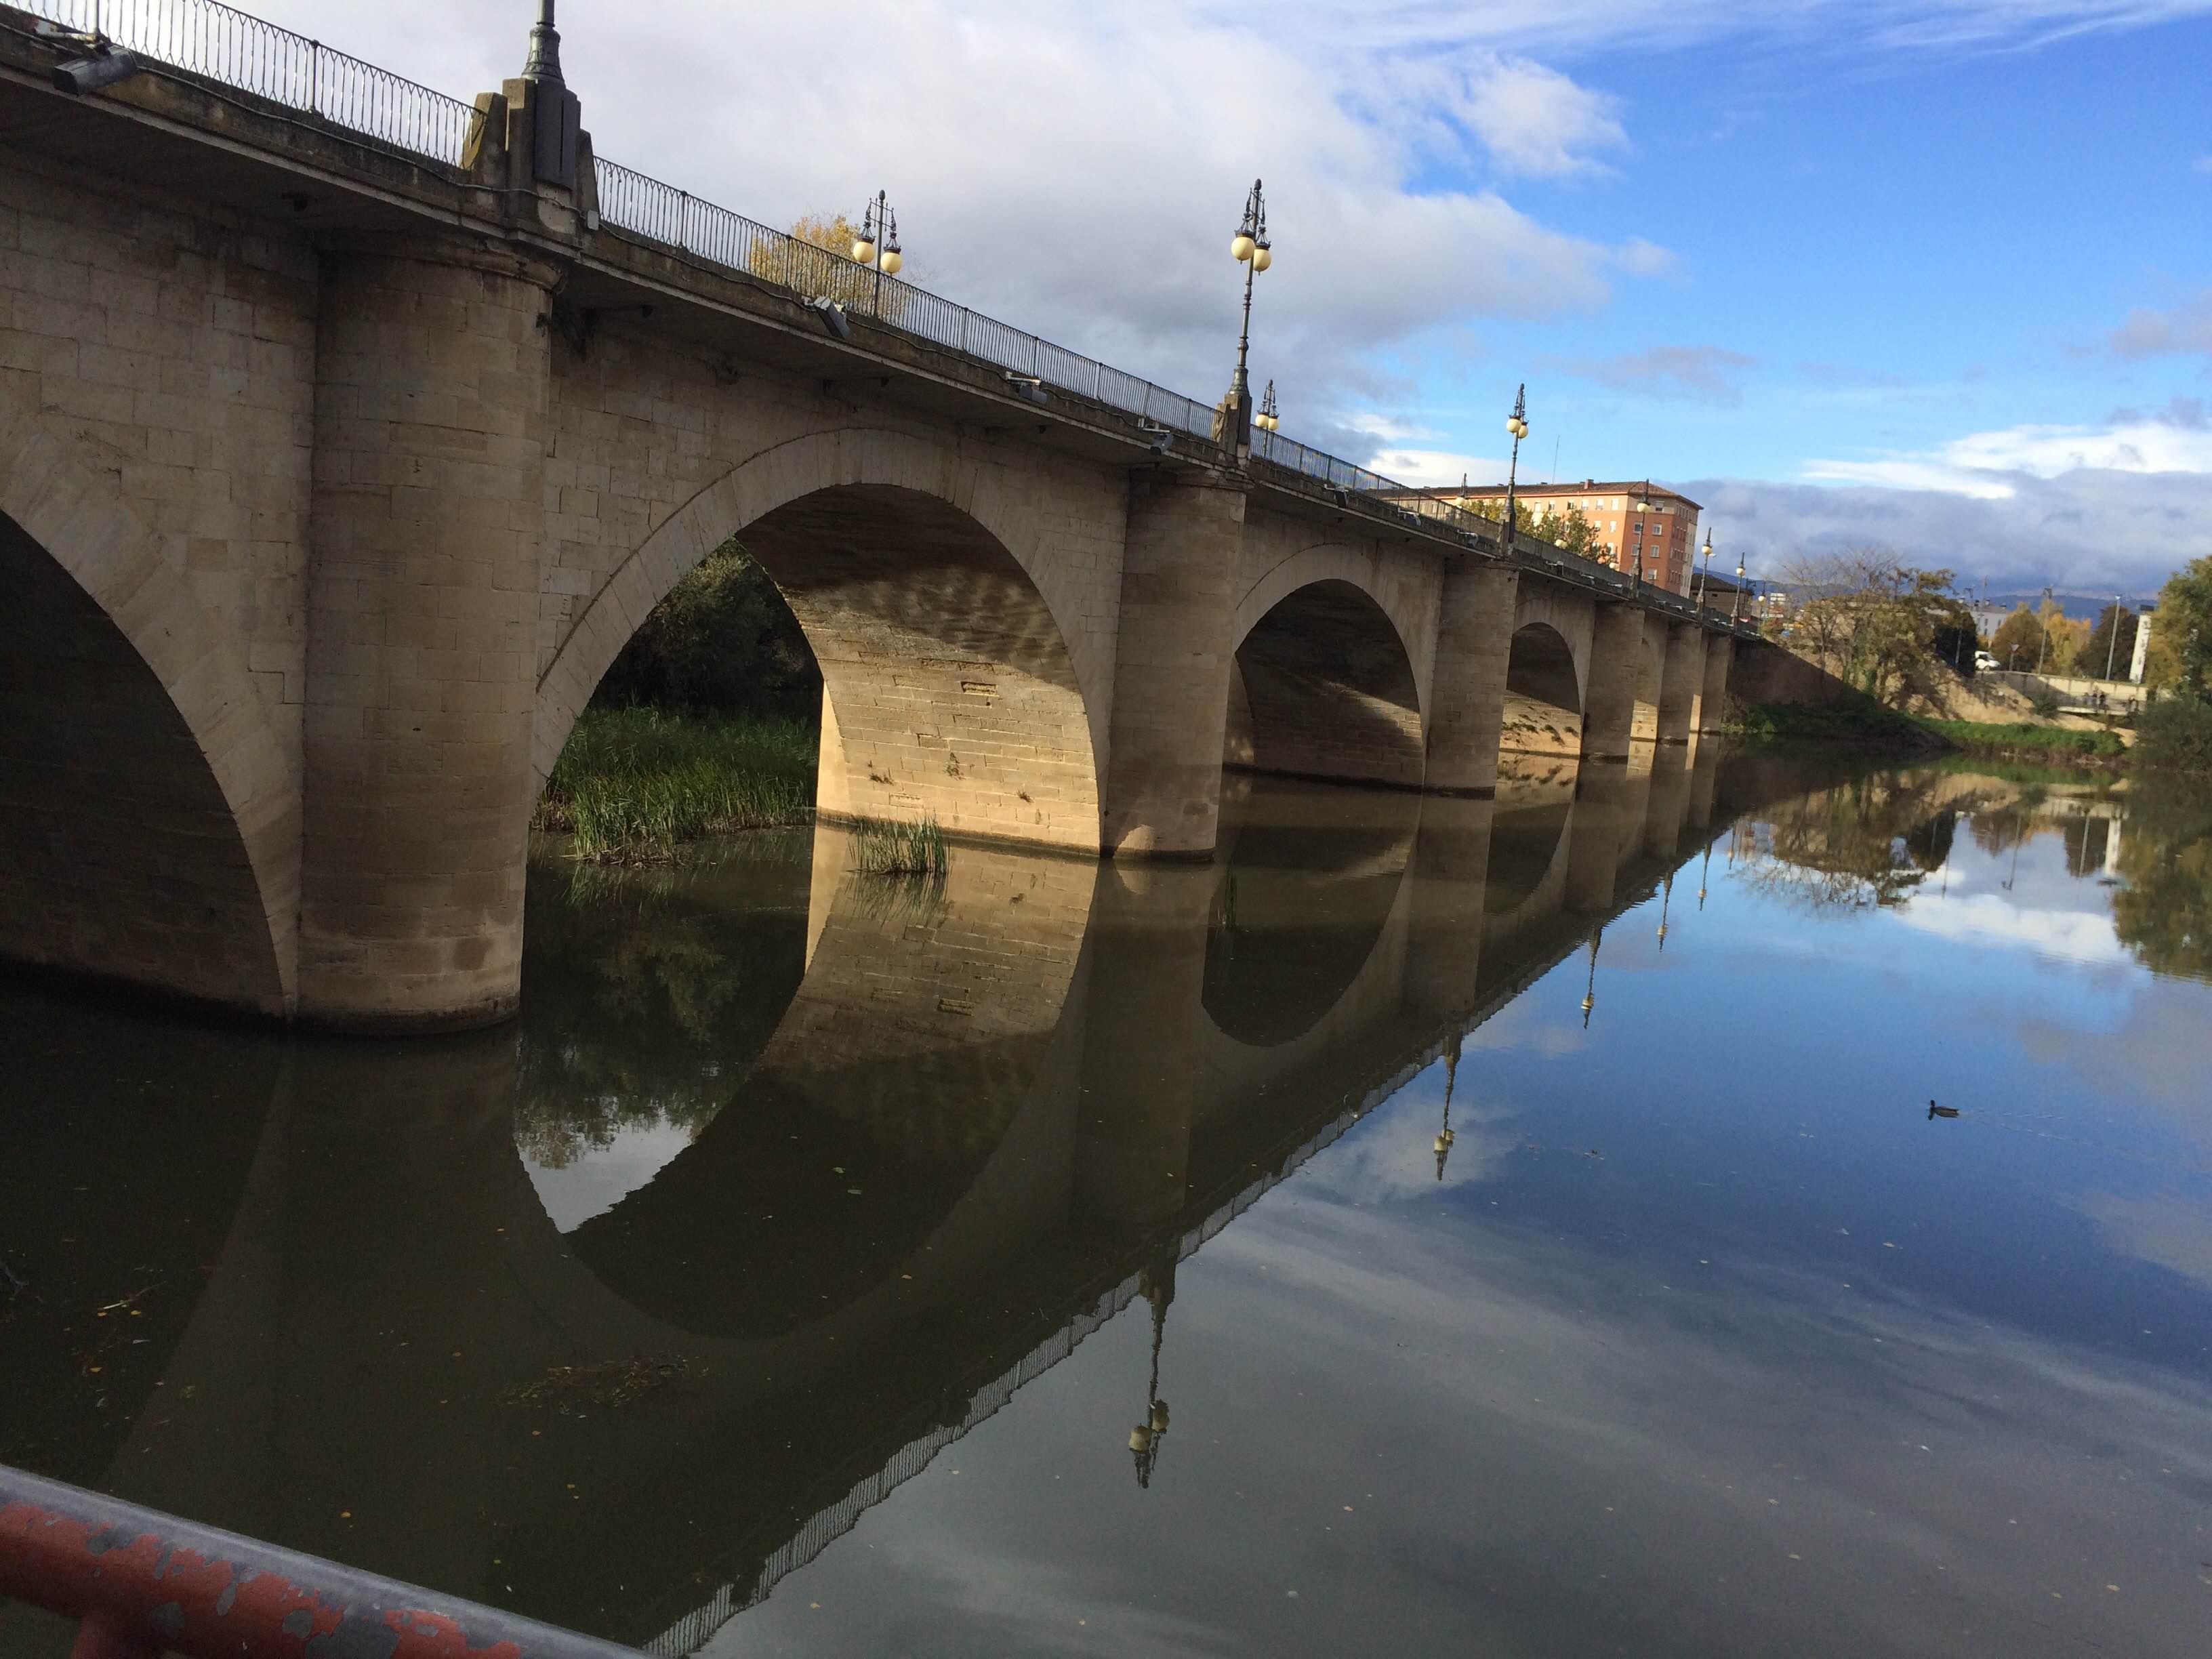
x: 1267, y: 418
x: 1736, y: 607
x: 1517, y: 424
x: 1250, y: 248
x: 1705, y: 570
x: 878, y: 245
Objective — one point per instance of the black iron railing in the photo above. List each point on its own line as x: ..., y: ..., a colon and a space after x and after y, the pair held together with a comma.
x: 233, y: 48
x: 222, y: 44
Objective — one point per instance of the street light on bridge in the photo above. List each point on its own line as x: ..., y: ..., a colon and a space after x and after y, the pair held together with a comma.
x: 1517, y: 424
x: 878, y: 244
x: 1736, y: 607
x: 1267, y: 418
x: 1705, y: 570
x: 1250, y: 247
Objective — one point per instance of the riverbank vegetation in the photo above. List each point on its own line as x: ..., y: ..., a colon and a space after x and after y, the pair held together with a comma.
x: 635, y: 783
x: 1864, y: 720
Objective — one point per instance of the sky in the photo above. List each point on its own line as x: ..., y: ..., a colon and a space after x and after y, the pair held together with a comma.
x: 1930, y: 275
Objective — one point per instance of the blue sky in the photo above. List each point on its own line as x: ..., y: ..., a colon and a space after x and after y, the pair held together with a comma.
x: 1932, y: 274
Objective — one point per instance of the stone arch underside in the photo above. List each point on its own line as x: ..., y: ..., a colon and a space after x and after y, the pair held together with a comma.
x: 1543, y: 693
x: 1323, y: 687
x: 150, y: 827
x: 950, y: 688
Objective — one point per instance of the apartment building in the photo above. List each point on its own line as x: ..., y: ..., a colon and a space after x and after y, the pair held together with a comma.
x: 1641, y: 528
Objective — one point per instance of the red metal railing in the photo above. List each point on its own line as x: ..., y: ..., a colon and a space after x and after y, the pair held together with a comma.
x: 141, y: 1584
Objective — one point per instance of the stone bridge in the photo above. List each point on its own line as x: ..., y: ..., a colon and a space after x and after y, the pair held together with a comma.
x: 334, y: 472
x: 1050, y: 1081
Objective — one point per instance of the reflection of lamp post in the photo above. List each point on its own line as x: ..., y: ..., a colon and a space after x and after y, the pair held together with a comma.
x: 1517, y: 424
x: 1250, y: 247
x: 1702, y: 870
x: 1666, y: 898
x: 1157, y: 1286
x: 1444, y: 1136
x: 878, y: 245
x: 1589, y: 989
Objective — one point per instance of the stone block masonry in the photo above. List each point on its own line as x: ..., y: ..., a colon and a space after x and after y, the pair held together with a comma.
x: 329, y: 492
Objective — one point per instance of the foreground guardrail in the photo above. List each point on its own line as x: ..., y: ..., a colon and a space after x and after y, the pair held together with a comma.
x: 141, y: 1584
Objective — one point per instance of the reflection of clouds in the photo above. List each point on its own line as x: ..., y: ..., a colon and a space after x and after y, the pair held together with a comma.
x: 596, y: 1178
x: 1398, y: 1158
x: 1526, y: 1023
x: 1453, y: 1435
x: 2084, y: 936
x: 2171, y: 1229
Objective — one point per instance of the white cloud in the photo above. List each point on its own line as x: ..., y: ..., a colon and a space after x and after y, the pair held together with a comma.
x: 2101, y: 530
x: 1536, y: 120
x: 1989, y: 465
x: 1077, y: 171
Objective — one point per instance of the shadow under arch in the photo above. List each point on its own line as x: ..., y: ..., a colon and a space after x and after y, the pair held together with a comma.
x: 1309, y: 880
x: 950, y: 688
x: 122, y: 853
x: 1323, y: 687
x: 1543, y: 693
x: 914, y: 1059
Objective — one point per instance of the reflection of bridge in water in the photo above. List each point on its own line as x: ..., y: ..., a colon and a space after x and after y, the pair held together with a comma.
x: 985, y: 1115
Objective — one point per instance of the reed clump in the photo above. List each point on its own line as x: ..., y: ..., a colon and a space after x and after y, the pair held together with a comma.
x: 636, y: 784
x: 885, y: 847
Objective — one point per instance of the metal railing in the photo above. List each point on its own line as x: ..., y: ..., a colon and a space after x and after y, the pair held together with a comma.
x: 221, y: 45
x: 232, y: 48
x: 141, y: 1584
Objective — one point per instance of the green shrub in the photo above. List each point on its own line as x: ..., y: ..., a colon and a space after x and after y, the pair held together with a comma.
x: 1982, y: 738
x: 723, y: 642
x: 635, y: 783
x: 2174, y: 734
x: 2046, y: 705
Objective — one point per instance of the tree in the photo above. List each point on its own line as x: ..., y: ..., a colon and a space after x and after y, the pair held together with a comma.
x: 2102, y: 651
x: 722, y: 643
x: 1573, y: 531
x: 1875, y: 621
x: 2184, y: 623
x: 2019, y: 640
x: 817, y: 260
x: 2066, y: 635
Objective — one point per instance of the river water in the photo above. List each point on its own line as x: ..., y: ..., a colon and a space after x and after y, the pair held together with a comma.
x: 1507, y: 1227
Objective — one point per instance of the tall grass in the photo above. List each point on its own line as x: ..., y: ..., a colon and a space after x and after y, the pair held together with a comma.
x: 883, y: 848
x: 636, y: 783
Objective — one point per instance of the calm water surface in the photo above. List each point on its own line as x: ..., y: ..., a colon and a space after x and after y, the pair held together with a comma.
x: 1439, y: 1227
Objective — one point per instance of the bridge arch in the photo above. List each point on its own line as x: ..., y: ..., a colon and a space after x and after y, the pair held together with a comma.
x: 926, y: 584
x: 150, y: 827
x: 1325, y: 682
x: 1543, y: 693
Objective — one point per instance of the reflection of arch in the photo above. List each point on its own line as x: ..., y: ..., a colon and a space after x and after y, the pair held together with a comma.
x: 1543, y: 693
x: 149, y: 830
x: 952, y: 687
x: 1323, y: 685
x: 1305, y: 892
x: 892, y: 1113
